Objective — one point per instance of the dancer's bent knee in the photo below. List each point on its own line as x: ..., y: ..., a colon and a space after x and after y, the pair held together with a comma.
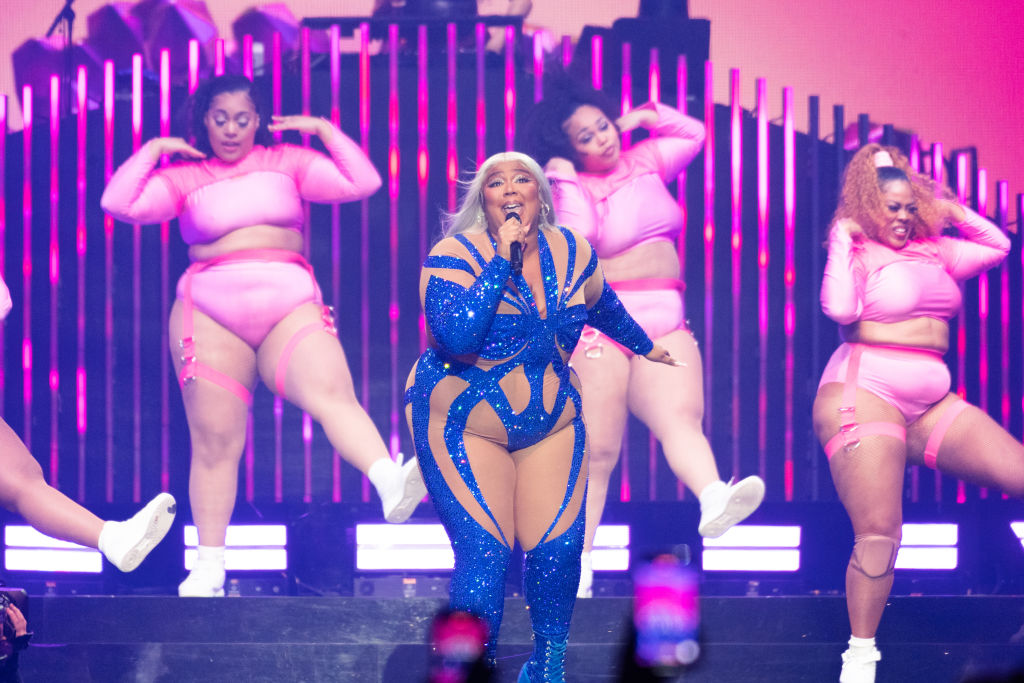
x: 874, y: 555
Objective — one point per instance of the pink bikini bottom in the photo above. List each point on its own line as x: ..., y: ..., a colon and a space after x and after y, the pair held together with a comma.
x: 248, y: 293
x: 910, y: 380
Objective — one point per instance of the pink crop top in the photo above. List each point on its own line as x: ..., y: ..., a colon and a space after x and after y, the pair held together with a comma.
x: 867, y: 280
x: 630, y: 204
x: 213, y: 198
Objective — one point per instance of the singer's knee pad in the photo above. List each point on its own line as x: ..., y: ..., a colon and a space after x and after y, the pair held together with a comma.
x: 874, y: 556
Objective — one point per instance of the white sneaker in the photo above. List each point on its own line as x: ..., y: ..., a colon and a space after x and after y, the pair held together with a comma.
x: 730, y: 506
x: 400, y: 496
x: 586, y: 589
x: 859, y: 665
x: 206, y: 580
x: 127, y: 543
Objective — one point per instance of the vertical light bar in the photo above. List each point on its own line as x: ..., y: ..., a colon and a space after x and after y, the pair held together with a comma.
x: 452, y: 118
x: 1002, y: 211
x: 510, y: 88
x: 654, y: 76
x: 108, y: 270
x: 136, y: 295
x: 3, y: 230
x: 278, y: 404
x: 763, y: 322
x: 307, y: 421
x: 538, y: 65
x: 218, y: 57
x: 334, y: 39
x: 566, y: 50
x: 597, y: 62
x: 364, y: 230
x: 983, y: 359
x: 82, y: 118
x: 709, y: 238
x: 963, y: 180
x: 938, y: 177
x: 627, y: 88
x: 1020, y: 230
x: 915, y: 470
x: 962, y: 191
x: 422, y: 153
x: 481, y: 105
x: 653, y: 95
x: 983, y: 288
x: 26, y: 263
x: 394, y: 189
x: 275, y: 79
x: 165, y: 298
x: 681, y: 88
x: 53, y: 262
x: 193, y: 65
x: 247, y: 65
x: 736, y: 247
x: 789, y: 274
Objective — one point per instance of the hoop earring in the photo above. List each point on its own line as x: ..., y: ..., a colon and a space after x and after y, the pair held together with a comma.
x: 545, y: 211
x: 480, y: 216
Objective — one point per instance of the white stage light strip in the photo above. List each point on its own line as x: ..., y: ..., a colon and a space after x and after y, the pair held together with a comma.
x: 611, y: 548
x: 928, y: 546
x: 753, y: 548
x: 27, y: 550
x: 425, y: 547
x: 1018, y: 531
x: 248, y: 547
x: 381, y: 547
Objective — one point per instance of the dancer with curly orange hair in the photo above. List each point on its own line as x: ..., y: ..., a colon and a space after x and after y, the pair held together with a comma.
x: 892, y: 283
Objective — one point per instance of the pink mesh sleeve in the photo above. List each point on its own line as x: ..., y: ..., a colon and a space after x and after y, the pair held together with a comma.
x: 984, y: 246
x: 842, y: 285
x: 346, y: 176
x: 677, y: 139
x: 573, y: 207
x: 135, y: 194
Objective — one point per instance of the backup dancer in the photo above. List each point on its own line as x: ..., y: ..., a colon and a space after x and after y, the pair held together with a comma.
x: 891, y: 282
x: 249, y: 307
x: 24, y: 490
x: 494, y: 407
x: 617, y: 199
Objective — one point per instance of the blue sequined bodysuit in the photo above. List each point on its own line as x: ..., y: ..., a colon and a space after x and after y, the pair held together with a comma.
x: 497, y: 377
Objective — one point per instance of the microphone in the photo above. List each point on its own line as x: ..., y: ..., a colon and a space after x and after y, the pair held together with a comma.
x: 515, y: 249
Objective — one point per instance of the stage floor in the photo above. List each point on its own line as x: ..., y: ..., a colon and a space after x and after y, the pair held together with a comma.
x: 307, y: 639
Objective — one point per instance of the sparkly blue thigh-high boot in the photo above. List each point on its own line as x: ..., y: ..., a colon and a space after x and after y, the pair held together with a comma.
x: 551, y: 576
x: 478, y: 580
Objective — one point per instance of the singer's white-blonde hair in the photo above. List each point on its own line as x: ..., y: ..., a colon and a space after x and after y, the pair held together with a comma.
x: 469, y: 217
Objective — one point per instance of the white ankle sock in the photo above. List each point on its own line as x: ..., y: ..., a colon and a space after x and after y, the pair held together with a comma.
x: 861, y: 643
x: 383, y: 473
x: 210, y: 555
x: 712, y: 491
x: 107, y: 534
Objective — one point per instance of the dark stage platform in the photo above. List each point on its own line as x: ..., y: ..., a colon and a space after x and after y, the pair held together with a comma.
x: 142, y: 639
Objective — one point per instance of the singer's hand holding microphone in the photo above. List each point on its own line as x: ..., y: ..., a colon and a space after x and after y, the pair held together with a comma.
x: 511, y: 238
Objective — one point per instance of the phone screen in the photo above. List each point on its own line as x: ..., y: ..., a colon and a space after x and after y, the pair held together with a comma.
x: 666, y: 615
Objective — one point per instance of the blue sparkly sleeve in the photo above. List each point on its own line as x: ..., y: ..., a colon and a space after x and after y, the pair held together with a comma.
x: 459, y: 317
x: 609, y: 316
